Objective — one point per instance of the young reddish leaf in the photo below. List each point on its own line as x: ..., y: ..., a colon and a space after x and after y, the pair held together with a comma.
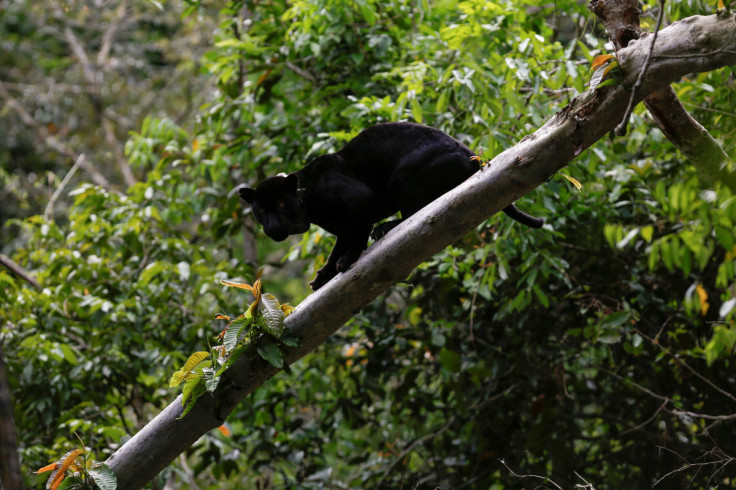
x: 220, y: 316
x: 287, y: 309
x: 58, y: 476
x: 225, y: 430
x: 237, y: 285
x: 703, y: 298
x: 601, y: 60
x: 48, y: 467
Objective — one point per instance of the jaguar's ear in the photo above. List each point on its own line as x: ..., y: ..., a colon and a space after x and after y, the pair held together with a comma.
x: 247, y: 194
x: 291, y: 183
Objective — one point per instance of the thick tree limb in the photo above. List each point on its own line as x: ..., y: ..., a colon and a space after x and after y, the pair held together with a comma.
x: 621, y: 20
x: 696, y: 44
x: 10, y: 473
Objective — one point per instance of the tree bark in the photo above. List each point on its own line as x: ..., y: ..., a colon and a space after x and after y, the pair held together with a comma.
x: 621, y: 20
x: 695, y: 44
x: 10, y: 473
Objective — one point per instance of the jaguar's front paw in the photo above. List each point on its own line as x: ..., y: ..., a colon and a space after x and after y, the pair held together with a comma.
x: 347, y: 260
x: 323, y: 277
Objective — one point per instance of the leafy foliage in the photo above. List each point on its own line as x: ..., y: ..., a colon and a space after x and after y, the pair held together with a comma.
x: 601, y: 346
x: 265, y: 315
x: 68, y: 473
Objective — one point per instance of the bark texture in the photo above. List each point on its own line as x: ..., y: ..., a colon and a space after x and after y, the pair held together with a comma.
x: 621, y: 20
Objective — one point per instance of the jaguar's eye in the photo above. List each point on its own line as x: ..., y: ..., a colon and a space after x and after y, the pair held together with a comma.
x: 281, y: 204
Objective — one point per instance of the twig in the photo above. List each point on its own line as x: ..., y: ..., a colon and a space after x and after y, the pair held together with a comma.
x: 50, y: 206
x: 546, y: 479
x: 93, y: 77
x: 635, y: 428
x: 724, y: 460
x: 587, y: 485
x: 18, y: 271
x: 411, y: 447
x: 674, y: 411
x: 685, y: 364
x: 621, y: 128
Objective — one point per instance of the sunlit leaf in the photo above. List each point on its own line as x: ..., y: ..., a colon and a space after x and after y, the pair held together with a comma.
x: 702, y: 299
x: 237, y: 285
x: 188, y: 367
x: 572, y: 180
x: 63, y: 464
x: 601, y: 60
x: 722, y: 342
x: 49, y: 467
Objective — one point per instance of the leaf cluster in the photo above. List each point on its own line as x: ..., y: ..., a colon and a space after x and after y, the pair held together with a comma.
x: 260, y: 327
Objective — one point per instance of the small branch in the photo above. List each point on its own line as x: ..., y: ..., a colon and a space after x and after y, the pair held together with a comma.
x: 414, y: 444
x: 723, y: 460
x: 47, y: 215
x: 108, y: 37
x: 93, y: 77
x: 302, y: 73
x: 637, y: 427
x: 18, y: 271
x: 546, y: 480
x: 621, y: 128
x: 688, y: 367
x: 50, y: 140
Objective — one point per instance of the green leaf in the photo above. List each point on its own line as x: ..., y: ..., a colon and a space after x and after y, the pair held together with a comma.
x: 211, y: 379
x: 230, y: 339
x: 187, y: 369
x: 725, y: 237
x: 104, y: 477
x: 289, y: 339
x: 234, y: 355
x: 193, y: 388
x: 272, y: 354
x: 616, y: 319
x: 647, y: 232
x: 450, y: 360
x: 416, y: 110
x: 270, y: 310
x: 723, y: 342
x: 541, y: 296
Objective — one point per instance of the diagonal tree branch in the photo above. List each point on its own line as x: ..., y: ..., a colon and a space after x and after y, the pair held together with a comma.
x: 621, y: 20
x: 696, y: 44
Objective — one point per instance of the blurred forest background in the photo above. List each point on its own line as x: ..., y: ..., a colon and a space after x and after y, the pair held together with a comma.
x: 599, y: 349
